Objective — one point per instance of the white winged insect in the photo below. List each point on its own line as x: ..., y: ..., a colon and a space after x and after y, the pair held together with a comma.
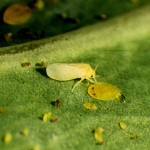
x: 65, y: 72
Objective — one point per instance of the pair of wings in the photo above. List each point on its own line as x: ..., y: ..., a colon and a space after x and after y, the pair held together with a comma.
x: 64, y: 72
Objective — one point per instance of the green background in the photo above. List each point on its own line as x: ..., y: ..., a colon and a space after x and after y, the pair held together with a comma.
x: 50, y: 21
x: 121, y: 47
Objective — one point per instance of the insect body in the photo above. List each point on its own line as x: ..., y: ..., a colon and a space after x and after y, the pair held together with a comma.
x: 65, y: 72
x: 104, y: 91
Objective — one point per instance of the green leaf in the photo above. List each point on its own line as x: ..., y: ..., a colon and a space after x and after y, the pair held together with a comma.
x: 120, y: 46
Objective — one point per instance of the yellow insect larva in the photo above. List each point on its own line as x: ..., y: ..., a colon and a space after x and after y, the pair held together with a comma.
x: 98, y: 135
x: 36, y: 147
x: 122, y: 125
x: 90, y: 106
x: 25, y: 132
x: 7, y: 138
x: 104, y: 91
x: 47, y: 116
x: 65, y: 72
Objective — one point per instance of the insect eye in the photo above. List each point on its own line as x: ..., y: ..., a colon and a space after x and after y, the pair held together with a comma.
x: 91, y: 76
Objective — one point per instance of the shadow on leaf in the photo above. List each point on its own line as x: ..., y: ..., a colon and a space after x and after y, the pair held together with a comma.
x: 42, y: 71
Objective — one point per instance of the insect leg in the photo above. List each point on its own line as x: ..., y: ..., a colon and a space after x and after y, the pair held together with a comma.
x: 91, y: 80
x: 77, y: 84
x: 94, y: 79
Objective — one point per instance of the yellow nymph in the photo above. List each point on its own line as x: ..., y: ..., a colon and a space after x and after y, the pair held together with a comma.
x: 104, y: 91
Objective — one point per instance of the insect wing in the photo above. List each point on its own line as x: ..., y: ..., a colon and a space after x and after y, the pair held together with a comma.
x: 64, y: 72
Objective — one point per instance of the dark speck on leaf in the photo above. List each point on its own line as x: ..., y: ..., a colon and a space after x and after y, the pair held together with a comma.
x: 56, y: 103
x: 135, y: 136
x: 26, y: 64
x: 41, y: 64
x: 55, y: 119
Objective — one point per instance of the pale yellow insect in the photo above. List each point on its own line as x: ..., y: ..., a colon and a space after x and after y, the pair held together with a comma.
x: 65, y: 72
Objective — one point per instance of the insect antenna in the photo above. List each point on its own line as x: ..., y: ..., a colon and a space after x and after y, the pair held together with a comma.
x: 97, y: 66
x: 95, y: 71
x: 90, y: 80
